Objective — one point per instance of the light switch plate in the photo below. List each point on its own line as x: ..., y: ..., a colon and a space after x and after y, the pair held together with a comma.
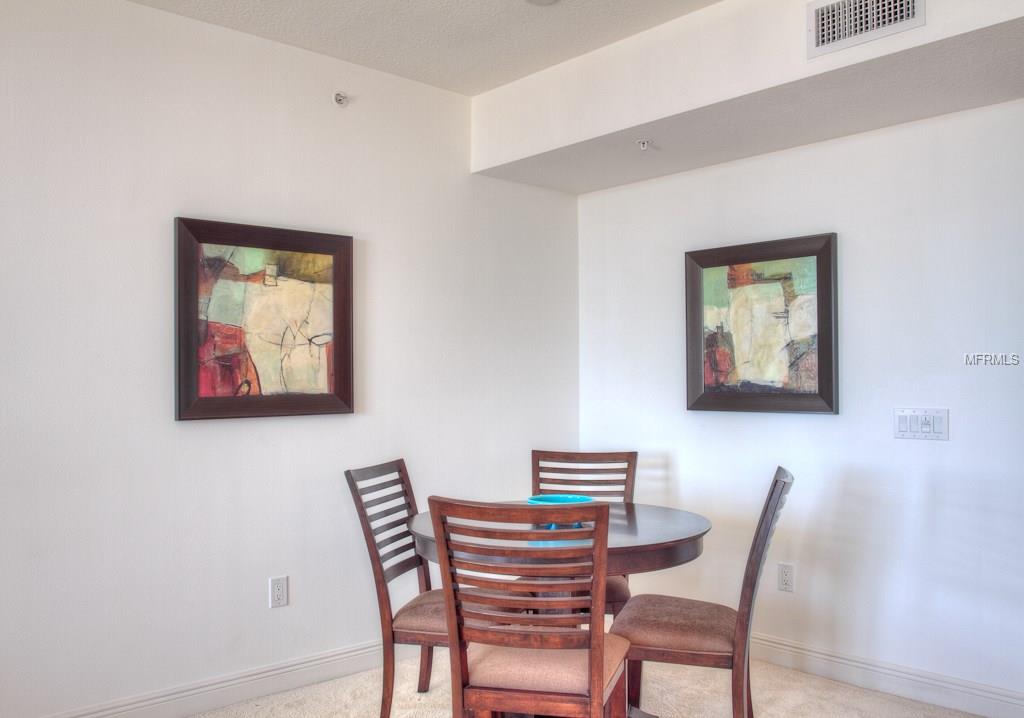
x: 925, y: 424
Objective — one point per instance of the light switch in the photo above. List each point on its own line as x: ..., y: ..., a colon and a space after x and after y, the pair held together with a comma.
x: 930, y: 424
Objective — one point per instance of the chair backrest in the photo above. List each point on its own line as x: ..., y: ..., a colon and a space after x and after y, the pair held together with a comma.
x: 385, y: 503
x: 773, y: 504
x: 602, y: 475
x: 512, y: 580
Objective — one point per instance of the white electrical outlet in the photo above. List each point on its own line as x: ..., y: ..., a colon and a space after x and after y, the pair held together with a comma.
x: 787, y: 577
x: 278, y: 591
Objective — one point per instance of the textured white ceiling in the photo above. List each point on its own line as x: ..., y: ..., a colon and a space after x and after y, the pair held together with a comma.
x: 468, y: 46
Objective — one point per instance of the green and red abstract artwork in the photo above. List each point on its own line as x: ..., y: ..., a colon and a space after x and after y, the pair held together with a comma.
x: 265, y: 322
x: 761, y: 326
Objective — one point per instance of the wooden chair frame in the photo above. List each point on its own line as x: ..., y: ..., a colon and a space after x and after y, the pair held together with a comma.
x: 739, y: 660
x: 491, y: 597
x: 397, y: 505
x: 614, y: 484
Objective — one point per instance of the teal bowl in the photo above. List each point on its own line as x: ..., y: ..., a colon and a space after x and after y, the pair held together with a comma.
x: 558, y: 499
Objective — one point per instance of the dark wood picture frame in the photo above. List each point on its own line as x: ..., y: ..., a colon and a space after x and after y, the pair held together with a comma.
x: 189, y: 234
x: 820, y: 246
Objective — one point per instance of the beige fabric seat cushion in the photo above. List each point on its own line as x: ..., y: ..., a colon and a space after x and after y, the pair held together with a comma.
x: 423, y: 614
x: 616, y: 590
x: 540, y: 669
x: 679, y: 624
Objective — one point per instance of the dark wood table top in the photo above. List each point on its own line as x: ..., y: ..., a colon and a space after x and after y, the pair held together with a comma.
x: 641, y: 537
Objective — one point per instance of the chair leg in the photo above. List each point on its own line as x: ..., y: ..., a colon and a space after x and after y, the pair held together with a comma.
x: 740, y: 693
x: 616, y: 706
x: 388, y: 688
x: 750, y: 701
x: 426, y: 663
x: 634, y: 670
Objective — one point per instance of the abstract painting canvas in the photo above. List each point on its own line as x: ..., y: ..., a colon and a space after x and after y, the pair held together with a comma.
x: 760, y: 326
x: 264, y: 321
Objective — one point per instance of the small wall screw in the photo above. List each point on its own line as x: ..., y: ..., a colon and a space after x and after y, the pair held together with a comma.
x: 643, y: 144
x: 340, y: 98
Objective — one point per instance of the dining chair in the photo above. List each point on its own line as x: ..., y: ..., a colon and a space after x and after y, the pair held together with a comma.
x: 603, y: 475
x: 667, y: 629
x: 512, y: 650
x: 385, y: 503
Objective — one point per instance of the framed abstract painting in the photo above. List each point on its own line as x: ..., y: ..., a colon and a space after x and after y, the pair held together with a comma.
x: 264, y: 321
x: 761, y: 326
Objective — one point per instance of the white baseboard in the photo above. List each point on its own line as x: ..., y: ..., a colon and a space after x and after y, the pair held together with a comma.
x: 976, y: 698
x: 910, y: 683
x: 206, y: 695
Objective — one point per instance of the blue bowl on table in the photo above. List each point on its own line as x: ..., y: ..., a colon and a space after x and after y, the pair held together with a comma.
x: 559, y: 500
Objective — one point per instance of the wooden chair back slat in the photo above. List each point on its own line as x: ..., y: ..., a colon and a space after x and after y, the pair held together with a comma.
x: 510, y: 583
x: 501, y: 618
x: 395, y: 552
x: 593, y: 494
x: 402, y: 567
x: 526, y: 534
x: 521, y: 602
x: 521, y: 551
x: 398, y: 495
x: 388, y: 540
x: 561, y: 481
x: 404, y: 509
x: 527, y: 639
x: 581, y: 458
x: 602, y: 475
x: 382, y: 528
x: 524, y: 586
x: 381, y: 486
x: 533, y: 570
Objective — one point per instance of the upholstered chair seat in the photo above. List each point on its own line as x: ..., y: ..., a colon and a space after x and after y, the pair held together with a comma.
x: 677, y: 624
x: 423, y: 614
x: 537, y: 669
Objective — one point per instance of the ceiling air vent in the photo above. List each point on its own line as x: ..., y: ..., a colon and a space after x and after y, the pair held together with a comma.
x: 837, y: 24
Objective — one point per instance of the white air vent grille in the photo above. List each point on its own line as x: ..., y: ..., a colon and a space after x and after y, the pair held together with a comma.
x: 837, y: 24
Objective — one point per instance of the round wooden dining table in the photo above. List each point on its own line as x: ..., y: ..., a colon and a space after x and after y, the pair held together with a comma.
x: 641, y: 537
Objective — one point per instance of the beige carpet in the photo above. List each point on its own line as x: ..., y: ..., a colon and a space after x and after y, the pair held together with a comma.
x: 669, y: 691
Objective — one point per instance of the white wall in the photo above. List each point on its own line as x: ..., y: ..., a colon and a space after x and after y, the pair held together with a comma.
x: 908, y: 553
x: 726, y: 50
x: 136, y: 550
